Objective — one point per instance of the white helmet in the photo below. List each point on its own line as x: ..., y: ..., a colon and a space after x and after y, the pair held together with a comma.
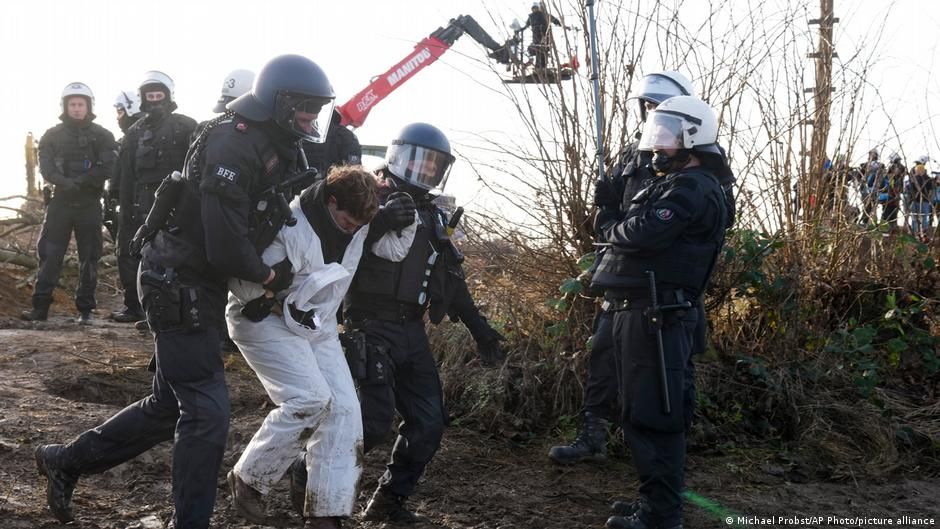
x: 894, y: 158
x: 129, y: 101
x: 236, y: 83
x: 157, y: 77
x: 660, y: 86
x: 681, y: 122
x: 78, y: 89
x: 922, y: 160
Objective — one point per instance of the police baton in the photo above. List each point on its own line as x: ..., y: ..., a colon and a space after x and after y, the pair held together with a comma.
x: 654, y: 317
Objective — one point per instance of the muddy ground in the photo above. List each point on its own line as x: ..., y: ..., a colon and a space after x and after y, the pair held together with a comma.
x: 57, y: 379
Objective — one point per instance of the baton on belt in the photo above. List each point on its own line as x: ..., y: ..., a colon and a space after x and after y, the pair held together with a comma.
x: 654, y: 317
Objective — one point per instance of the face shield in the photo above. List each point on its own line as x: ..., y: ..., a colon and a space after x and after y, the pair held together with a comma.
x: 308, y: 117
x: 421, y: 167
x: 662, y: 131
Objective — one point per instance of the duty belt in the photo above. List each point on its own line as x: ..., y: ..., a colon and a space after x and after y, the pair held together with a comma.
x: 616, y: 300
x: 404, y: 312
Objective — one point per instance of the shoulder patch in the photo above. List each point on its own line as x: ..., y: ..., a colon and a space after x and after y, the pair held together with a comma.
x: 225, y: 173
x: 271, y: 163
x: 664, y: 214
x: 241, y: 126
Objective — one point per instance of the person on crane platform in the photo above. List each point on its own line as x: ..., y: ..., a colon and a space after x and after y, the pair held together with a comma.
x: 539, y: 20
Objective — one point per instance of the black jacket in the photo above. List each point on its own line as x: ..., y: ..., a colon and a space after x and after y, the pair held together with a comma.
x: 77, y: 158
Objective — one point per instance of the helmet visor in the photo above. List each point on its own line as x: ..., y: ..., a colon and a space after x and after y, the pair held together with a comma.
x: 308, y: 117
x: 657, y: 88
x: 419, y: 166
x: 662, y: 131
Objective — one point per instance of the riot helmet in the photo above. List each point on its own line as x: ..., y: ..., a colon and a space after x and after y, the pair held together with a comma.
x: 292, y: 91
x: 157, y: 81
x: 420, y: 156
x: 236, y: 83
x: 683, y: 124
x: 128, y: 101
x: 657, y: 87
x: 78, y: 89
x: 894, y: 158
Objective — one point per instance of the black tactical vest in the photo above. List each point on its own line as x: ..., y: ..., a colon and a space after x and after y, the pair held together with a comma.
x: 383, y: 284
x: 689, y: 261
x: 161, y: 147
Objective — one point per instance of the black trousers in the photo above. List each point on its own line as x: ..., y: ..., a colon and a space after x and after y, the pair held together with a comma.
x: 601, y: 390
x: 62, y: 218
x: 414, y: 389
x: 656, y: 439
x: 127, y: 265
x: 189, y: 404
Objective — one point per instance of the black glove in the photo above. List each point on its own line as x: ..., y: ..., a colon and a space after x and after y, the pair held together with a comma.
x: 606, y: 194
x: 135, y: 246
x: 305, y: 318
x: 490, y: 351
x: 283, y: 275
x: 400, y: 210
x: 605, y: 216
x: 258, y: 308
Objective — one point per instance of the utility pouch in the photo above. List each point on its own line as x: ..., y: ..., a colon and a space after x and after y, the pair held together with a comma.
x: 355, y: 348
x: 377, y: 364
x: 160, y: 297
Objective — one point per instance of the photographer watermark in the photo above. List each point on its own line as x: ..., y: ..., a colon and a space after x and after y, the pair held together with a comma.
x: 832, y: 520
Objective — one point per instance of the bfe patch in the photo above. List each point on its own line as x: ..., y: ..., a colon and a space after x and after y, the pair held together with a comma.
x: 225, y: 173
x: 664, y: 214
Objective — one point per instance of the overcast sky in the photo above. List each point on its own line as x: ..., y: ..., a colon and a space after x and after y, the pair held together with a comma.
x: 108, y: 44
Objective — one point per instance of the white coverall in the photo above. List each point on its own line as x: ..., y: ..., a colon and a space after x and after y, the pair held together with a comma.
x: 305, y: 372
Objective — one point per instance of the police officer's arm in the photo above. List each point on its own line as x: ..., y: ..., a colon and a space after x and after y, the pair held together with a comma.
x: 114, y: 182
x: 101, y: 168
x: 653, y: 227
x: 47, y: 166
x: 349, y: 149
x: 227, y: 173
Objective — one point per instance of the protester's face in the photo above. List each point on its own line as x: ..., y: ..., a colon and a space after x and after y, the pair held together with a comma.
x: 77, y: 107
x: 344, y: 221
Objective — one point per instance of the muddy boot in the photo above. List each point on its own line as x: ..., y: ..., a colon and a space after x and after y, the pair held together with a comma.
x: 298, y: 485
x: 246, y: 500
x: 127, y: 315
x: 142, y: 326
x: 329, y: 522
x: 591, y: 442
x: 60, y: 484
x: 627, y: 508
x: 84, y: 318
x: 35, y: 314
x: 387, y: 507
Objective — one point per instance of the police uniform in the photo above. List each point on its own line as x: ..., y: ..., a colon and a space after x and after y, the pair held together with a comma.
x: 151, y: 150
x: 204, y: 244
x: 675, y: 228
x: 387, y: 301
x: 76, y: 157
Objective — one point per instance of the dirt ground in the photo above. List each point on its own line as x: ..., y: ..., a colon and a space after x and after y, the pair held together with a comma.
x: 57, y: 379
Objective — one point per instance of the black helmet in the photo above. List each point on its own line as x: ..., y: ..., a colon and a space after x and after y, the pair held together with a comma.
x: 286, y: 85
x: 420, y: 156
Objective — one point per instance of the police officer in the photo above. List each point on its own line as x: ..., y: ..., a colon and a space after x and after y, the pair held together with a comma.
x: 127, y: 107
x: 218, y: 227
x: 667, y: 240
x: 387, y: 302
x: 76, y: 157
x: 152, y: 148
x: 632, y: 173
x: 341, y: 148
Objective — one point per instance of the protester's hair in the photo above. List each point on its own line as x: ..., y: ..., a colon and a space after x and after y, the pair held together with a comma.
x: 355, y: 190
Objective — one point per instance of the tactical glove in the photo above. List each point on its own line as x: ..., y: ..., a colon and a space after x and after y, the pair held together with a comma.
x: 604, y: 218
x: 258, y: 308
x: 400, y: 210
x: 490, y: 351
x: 606, y: 195
x: 283, y: 275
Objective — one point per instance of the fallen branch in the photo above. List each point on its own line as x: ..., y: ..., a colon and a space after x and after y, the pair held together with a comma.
x: 19, y: 259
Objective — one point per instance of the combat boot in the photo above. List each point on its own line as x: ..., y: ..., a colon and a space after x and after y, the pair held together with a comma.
x: 60, y: 484
x: 640, y: 519
x: 591, y: 442
x: 36, y: 314
x: 84, y: 318
x: 387, y: 507
x: 246, y: 500
x: 628, y: 508
x: 127, y: 315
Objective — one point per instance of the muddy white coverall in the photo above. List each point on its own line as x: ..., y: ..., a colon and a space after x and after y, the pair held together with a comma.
x: 304, y: 371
